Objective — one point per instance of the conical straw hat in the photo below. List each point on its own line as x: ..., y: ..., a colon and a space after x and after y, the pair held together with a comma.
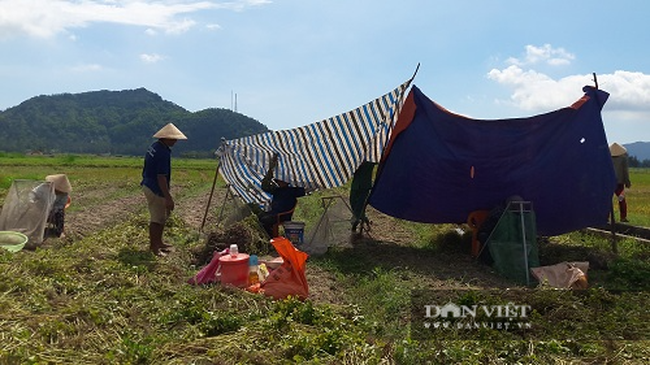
x: 170, y: 132
x: 616, y: 149
x: 60, y: 181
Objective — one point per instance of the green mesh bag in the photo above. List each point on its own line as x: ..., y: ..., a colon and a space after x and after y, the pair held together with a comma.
x: 513, y: 243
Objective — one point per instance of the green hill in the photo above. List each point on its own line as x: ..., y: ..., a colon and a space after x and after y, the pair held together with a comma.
x: 639, y: 150
x: 115, y: 122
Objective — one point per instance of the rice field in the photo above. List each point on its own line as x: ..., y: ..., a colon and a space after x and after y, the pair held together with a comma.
x: 98, y: 296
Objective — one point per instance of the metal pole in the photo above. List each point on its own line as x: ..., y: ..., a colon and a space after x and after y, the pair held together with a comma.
x: 225, y: 200
x: 523, y: 234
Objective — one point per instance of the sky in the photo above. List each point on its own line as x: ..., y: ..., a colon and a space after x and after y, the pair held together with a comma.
x: 289, y: 63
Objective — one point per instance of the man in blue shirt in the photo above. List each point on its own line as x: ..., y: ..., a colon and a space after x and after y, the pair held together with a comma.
x: 156, y: 177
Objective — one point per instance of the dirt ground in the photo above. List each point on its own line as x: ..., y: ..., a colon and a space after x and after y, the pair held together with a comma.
x: 79, y: 223
x: 386, y: 245
x: 97, y: 211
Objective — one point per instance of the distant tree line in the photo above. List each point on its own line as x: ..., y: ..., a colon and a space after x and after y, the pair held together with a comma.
x: 634, y: 162
x: 115, y: 122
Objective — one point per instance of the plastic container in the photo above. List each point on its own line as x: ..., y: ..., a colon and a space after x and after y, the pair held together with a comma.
x: 294, y: 232
x: 12, y: 241
x: 233, y: 250
x: 234, y: 270
x: 264, y: 272
x: 253, y: 270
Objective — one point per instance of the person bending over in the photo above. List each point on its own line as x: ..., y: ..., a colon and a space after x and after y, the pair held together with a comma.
x: 284, y: 199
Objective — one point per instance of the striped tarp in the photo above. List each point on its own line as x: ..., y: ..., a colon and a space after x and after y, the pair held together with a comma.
x: 321, y: 155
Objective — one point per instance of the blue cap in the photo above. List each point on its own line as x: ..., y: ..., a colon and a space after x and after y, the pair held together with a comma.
x: 252, y: 260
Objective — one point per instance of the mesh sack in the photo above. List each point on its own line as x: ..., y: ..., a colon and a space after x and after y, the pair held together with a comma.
x: 26, y: 209
x: 513, y: 243
x: 332, y: 229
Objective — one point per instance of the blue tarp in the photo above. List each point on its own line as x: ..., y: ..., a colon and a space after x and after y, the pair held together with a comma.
x: 439, y: 166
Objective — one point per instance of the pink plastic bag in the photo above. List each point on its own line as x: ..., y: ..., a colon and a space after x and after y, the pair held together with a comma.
x: 209, y: 273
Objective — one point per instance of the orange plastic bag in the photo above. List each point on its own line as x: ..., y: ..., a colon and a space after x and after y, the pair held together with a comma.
x: 289, y: 278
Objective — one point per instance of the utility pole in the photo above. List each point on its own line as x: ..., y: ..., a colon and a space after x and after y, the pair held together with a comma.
x: 233, y: 101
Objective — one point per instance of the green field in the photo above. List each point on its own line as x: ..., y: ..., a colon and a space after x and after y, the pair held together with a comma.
x: 638, y: 197
x: 98, y: 296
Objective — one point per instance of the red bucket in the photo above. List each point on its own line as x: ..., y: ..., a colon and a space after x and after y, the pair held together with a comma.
x: 234, y: 270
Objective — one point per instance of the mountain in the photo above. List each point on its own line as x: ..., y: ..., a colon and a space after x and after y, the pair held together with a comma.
x: 115, y: 122
x: 640, y: 150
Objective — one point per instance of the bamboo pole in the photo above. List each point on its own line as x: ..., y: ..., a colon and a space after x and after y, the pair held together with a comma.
x: 207, y: 207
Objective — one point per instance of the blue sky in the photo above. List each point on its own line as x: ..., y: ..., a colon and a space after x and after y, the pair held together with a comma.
x: 294, y: 62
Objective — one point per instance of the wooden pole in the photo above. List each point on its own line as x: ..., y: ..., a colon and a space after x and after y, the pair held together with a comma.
x: 612, y: 222
x: 214, y: 183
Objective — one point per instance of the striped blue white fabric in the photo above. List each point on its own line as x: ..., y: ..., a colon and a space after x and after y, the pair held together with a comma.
x: 321, y: 155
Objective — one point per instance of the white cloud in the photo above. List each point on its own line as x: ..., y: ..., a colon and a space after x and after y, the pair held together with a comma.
x: 180, y: 27
x: 91, y: 67
x: 243, y: 4
x: 151, y: 58
x: 544, y: 54
x: 537, y: 92
x: 534, y: 91
x: 628, y: 90
x: 47, y: 18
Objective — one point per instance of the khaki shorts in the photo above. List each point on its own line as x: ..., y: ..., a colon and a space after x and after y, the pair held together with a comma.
x: 156, y: 205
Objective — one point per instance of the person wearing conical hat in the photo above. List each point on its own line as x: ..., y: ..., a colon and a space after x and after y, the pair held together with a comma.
x: 56, y: 219
x: 620, y: 161
x: 61, y: 183
x: 156, y: 178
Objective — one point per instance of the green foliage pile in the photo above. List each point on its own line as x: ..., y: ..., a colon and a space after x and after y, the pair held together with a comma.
x: 115, y: 122
x: 247, y: 235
